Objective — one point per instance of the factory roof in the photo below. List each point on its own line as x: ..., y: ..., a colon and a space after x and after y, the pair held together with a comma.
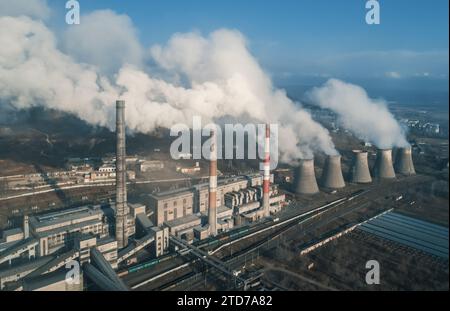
x: 5, y: 245
x: 201, y: 228
x: 13, y: 231
x: 44, y: 280
x: 222, y: 209
x: 184, y: 220
x: 409, y: 231
x: 172, y: 193
x: 31, y: 265
x: 105, y: 240
x: 64, y: 216
x: 23, y: 244
x: 144, y: 221
x: 225, y: 181
x: 55, y: 262
x: 69, y: 228
x: 201, y: 186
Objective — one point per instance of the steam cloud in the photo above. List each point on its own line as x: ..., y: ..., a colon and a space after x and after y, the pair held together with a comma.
x: 367, y: 118
x: 213, y: 76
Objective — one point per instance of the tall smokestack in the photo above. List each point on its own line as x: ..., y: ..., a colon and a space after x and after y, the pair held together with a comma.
x: 305, y: 178
x: 212, y: 211
x: 383, y: 165
x: 121, y: 190
x: 26, y: 227
x: 266, y: 181
x: 404, y: 163
x: 360, y: 173
x: 332, y: 177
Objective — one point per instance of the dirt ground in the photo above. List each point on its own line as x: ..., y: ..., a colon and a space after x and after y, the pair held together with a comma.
x: 340, y: 265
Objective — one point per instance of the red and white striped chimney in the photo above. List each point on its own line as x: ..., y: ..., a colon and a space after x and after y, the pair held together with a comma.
x: 266, y: 180
x: 212, y: 202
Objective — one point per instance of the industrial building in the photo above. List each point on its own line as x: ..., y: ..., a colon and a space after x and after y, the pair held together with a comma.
x: 32, y: 256
x: 184, y: 209
x: 101, y: 238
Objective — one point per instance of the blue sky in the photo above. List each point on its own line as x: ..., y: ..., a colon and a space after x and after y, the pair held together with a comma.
x: 296, y: 38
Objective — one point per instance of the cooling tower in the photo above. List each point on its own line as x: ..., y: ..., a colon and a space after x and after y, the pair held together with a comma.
x: 332, y: 174
x: 122, y: 209
x: 305, y: 178
x: 360, y: 173
x: 384, y: 167
x: 404, y: 163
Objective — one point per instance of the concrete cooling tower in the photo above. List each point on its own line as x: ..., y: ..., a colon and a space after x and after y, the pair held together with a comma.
x: 404, y: 163
x: 305, y: 178
x: 360, y: 173
x: 384, y: 167
x: 332, y: 174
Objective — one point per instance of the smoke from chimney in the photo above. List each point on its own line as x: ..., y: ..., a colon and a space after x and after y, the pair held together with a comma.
x: 218, y: 78
x: 369, y: 119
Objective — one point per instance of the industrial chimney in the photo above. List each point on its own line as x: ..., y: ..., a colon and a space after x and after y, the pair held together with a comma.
x: 360, y: 173
x: 332, y: 174
x: 212, y: 201
x: 266, y: 181
x: 305, y: 178
x: 404, y: 163
x: 383, y: 166
x: 122, y: 209
x: 26, y: 227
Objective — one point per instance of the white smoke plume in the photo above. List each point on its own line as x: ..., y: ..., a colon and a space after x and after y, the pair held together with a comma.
x: 91, y: 41
x: 33, y: 8
x: 369, y: 119
x: 34, y: 72
x: 219, y: 78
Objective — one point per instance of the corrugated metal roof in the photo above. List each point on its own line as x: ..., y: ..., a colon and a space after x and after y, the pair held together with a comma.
x: 409, y: 231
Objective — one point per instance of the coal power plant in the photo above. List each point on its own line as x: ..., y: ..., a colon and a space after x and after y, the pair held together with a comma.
x: 360, y: 172
x: 404, y: 163
x: 305, y: 178
x: 332, y: 177
x: 384, y: 168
